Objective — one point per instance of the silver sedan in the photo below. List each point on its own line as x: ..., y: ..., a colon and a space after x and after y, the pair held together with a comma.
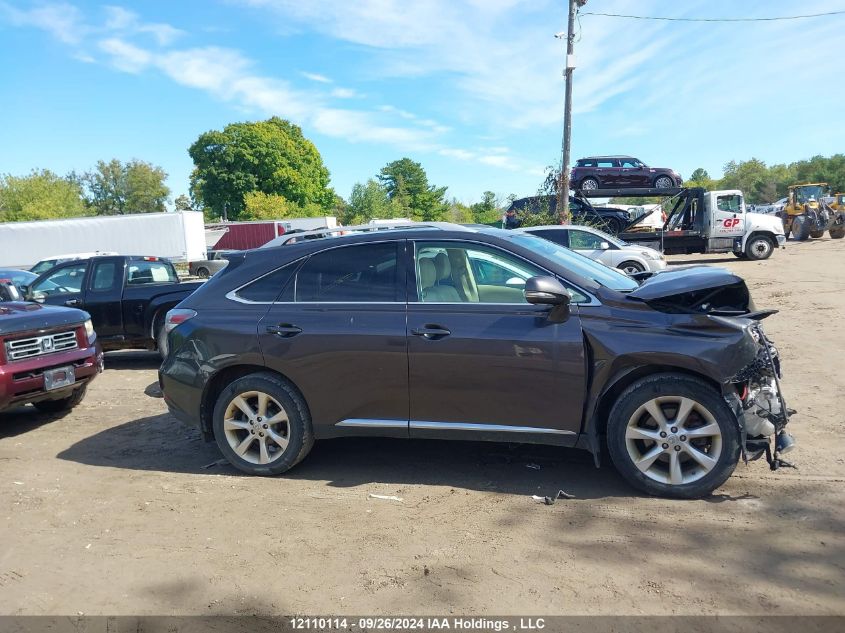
x: 597, y: 245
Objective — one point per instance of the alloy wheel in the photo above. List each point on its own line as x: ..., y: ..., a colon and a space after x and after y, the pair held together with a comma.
x: 589, y: 184
x: 673, y: 440
x: 664, y: 182
x: 256, y: 426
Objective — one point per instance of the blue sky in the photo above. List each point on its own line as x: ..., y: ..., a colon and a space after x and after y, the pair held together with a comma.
x: 470, y: 88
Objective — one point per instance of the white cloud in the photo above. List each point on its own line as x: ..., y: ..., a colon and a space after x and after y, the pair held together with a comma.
x: 123, y: 21
x: 125, y: 56
x: 62, y: 20
x: 344, y: 93
x: 460, y: 154
x: 316, y: 77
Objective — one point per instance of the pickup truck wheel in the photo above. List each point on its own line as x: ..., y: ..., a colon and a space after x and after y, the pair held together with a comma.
x: 60, y: 406
x: 759, y: 247
x: 631, y: 267
x: 262, y: 425
x: 202, y: 272
x: 664, y: 182
x: 673, y: 435
x: 589, y: 184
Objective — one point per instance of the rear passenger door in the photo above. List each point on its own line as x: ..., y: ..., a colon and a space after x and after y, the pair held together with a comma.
x: 103, y: 295
x: 338, y: 332
x: 609, y: 173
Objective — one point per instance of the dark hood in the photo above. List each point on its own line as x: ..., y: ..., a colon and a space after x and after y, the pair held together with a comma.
x: 19, y: 316
x: 707, y: 289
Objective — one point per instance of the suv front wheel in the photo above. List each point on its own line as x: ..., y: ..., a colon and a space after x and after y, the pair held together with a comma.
x: 262, y: 425
x: 673, y: 435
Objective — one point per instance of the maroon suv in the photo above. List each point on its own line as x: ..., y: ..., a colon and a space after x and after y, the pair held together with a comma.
x: 48, y: 355
x: 620, y: 172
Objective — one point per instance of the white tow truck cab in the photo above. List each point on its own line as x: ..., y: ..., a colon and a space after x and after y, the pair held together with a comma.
x: 700, y: 221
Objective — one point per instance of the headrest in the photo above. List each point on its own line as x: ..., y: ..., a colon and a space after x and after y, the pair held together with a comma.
x: 428, y: 273
x: 444, y: 267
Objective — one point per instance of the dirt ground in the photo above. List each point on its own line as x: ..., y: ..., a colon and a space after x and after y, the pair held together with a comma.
x: 119, y: 509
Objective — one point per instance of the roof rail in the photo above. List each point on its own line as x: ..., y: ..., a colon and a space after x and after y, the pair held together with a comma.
x: 338, y: 231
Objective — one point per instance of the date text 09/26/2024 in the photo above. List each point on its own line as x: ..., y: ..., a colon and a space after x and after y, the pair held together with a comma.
x: 410, y: 623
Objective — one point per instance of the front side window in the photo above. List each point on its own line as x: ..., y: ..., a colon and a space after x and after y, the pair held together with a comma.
x: 582, y: 240
x: 455, y: 272
x: 558, y: 236
x: 730, y: 203
x: 66, y: 280
x: 363, y: 273
x: 150, y: 272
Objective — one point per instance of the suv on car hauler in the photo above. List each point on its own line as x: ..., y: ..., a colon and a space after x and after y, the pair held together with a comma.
x: 48, y: 355
x: 444, y: 331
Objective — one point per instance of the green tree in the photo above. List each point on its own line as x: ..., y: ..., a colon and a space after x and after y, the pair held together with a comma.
x: 183, y: 203
x: 271, y: 157
x: 459, y: 213
x: 41, y: 195
x: 270, y: 206
x: 488, y: 211
x: 699, y: 174
x: 407, y: 185
x: 116, y: 188
x: 370, y: 201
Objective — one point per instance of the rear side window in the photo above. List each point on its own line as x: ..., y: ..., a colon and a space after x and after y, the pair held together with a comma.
x: 150, y: 272
x: 586, y: 162
x: 360, y: 273
x: 608, y: 162
x: 267, y: 289
x: 558, y: 236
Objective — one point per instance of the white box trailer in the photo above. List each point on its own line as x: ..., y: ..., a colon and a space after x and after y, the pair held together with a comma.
x: 177, y: 236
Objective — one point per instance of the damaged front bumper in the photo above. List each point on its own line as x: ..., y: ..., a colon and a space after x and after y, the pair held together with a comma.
x: 759, y: 405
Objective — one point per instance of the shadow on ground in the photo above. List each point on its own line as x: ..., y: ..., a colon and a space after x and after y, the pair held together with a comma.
x: 161, y: 443
x: 132, y: 359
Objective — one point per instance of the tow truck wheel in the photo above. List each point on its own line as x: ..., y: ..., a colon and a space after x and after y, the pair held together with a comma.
x: 673, y: 435
x: 589, y: 184
x: 60, y: 406
x: 759, y: 247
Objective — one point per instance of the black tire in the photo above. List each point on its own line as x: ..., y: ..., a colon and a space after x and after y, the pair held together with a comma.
x: 759, y: 247
x: 837, y: 234
x: 628, y: 409
x: 299, y: 434
x: 816, y: 233
x: 631, y: 267
x: 203, y: 273
x: 160, y: 336
x: 740, y: 255
x: 664, y: 182
x: 590, y: 182
x: 61, y: 406
x: 613, y: 226
x: 800, y: 228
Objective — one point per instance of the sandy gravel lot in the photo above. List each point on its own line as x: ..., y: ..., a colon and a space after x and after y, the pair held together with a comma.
x: 119, y: 509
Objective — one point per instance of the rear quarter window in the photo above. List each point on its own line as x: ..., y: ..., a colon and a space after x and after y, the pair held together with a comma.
x: 268, y: 288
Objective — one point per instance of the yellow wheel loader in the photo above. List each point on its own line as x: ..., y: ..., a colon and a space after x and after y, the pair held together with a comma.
x: 807, y: 215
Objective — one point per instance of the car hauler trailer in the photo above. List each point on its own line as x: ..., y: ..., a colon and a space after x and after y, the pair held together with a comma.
x: 176, y: 236
x: 700, y: 221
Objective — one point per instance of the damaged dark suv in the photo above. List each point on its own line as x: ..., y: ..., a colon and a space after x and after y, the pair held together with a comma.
x: 444, y: 331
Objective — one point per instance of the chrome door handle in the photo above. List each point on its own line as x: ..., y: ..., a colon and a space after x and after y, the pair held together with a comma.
x: 432, y: 333
x: 284, y: 330
x: 72, y: 303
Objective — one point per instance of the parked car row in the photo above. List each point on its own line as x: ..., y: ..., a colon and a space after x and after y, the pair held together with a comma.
x: 463, y: 332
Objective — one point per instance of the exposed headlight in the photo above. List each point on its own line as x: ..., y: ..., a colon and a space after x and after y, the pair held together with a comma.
x: 652, y: 255
x: 89, y: 331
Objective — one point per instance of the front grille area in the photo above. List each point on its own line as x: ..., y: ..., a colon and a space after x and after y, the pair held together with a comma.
x: 40, y: 345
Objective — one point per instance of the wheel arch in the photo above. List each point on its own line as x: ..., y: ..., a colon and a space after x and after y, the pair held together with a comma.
x: 225, y: 376
x: 623, y: 379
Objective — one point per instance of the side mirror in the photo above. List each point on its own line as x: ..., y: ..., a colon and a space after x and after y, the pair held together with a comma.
x: 604, y: 246
x: 36, y: 296
x: 542, y: 290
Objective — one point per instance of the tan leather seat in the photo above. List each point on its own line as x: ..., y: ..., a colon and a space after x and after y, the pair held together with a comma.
x: 431, y: 292
x: 445, y: 291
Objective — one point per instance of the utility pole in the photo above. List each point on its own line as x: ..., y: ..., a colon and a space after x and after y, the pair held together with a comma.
x: 563, y: 185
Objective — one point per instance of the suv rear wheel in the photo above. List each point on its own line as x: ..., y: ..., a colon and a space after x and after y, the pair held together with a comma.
x: 673, y: 435
x: 262, y: 425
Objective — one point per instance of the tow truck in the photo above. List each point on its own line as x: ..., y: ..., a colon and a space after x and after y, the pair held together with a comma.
x: 700, y: 221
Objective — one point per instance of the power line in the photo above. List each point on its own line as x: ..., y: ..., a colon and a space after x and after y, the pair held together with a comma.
x: 774, y: 19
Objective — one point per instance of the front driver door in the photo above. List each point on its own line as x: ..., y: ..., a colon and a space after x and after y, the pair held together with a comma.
x: 484, y: 363
x: 728, y: 216
x: 61, y: 286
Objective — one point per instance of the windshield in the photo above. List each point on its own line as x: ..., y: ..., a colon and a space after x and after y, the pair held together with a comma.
x: 44, y: 266
x: 804, y: 194
x: 578, y: 264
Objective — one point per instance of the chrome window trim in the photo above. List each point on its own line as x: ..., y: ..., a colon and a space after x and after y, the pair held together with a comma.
x: 490, y: 428
x: 592, y: 300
